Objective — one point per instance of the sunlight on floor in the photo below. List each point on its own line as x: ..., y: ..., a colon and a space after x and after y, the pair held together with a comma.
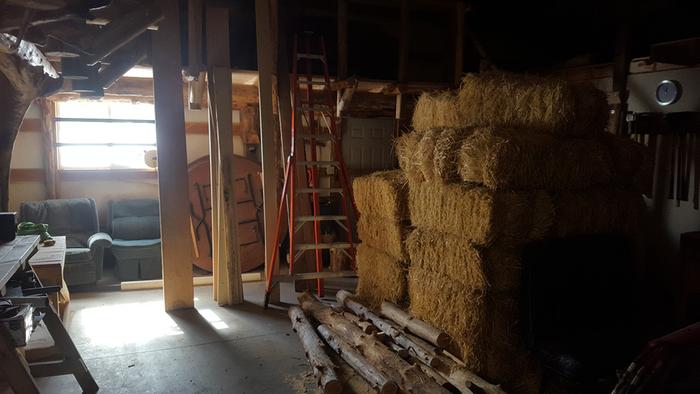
x: 132, y: 323
x: 213, y: 319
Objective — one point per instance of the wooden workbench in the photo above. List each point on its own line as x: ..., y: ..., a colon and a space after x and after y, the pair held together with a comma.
x: 14, y: 254
x: 47, y: 263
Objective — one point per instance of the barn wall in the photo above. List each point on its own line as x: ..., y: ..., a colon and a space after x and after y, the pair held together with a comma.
x: 28, y: 184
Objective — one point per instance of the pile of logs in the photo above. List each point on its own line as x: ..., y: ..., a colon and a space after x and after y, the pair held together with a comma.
x: 391, y: 350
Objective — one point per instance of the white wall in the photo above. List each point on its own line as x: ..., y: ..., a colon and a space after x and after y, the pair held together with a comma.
x: 28, y: 154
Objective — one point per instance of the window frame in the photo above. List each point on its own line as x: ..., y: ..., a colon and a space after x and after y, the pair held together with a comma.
x: 96, y: 170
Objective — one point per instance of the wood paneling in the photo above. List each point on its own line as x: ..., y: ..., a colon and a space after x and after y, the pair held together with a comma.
x: 31, y: 125
x: 27, y: 175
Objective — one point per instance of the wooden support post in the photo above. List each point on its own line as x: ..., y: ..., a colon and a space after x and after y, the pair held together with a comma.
x: 228, y: 271
x: 195, y: 17
x: 619, y: 80
x: 342, y: 39
x: 270, y: 169
x: 404, y: 40
x: 460, y: 9
x: 48, y: 133
x: 172, y: 161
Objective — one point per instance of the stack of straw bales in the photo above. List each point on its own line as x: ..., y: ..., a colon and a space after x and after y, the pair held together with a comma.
x: 504, y: 161
x: 383, y: 224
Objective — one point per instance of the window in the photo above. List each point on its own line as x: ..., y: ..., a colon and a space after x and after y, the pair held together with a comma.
x: 104, y: 135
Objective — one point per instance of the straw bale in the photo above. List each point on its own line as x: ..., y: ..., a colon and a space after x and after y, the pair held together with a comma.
x: 436, y: 110
x: 406, y: 147
x: 383, y: 234
x: 437, y: 153
x: 480, y: 215
x: 505, y: 159
x: 381, y: 277
x: 452, y: 307
x: 531, y: 103
x: 477, y: 321
x: 483, y: 216
x: 597, y: 211
x: 382, y: 194
x: 495, y: 268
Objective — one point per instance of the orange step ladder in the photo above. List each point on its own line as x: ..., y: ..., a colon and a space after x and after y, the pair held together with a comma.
x: 313, y: 110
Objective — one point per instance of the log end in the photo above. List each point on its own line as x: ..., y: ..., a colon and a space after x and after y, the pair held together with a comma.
x: 443, y: 340
x: 333, y: 387
x: 389, y: 388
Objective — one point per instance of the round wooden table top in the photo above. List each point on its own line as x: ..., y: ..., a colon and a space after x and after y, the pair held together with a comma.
x: 248, y: 194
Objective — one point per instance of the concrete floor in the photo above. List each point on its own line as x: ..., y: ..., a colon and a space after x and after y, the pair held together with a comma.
x: 132, y: 346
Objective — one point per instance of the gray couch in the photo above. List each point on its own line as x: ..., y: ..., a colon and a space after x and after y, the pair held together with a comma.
x: 136, y: 245
x: 77, y: 220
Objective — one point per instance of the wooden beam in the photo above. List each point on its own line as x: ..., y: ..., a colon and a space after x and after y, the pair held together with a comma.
x: 195, y: 22
x: 620, y: 73
x: 172, y: 160
x: 228, y: 272
x: 460, y: 9
x: 404, y: 38
x: 48, y: 134
x: 342, y: 39
x: 142, y: 88
x: 265, y: 48
x: 27, y: 175
x: 196, y: 281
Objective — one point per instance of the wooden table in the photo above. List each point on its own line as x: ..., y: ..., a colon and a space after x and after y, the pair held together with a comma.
x: 14, y: 254
x: 47, y: 263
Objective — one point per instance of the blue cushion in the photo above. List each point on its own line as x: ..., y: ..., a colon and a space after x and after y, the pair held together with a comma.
x: 78, y: 255
x: 137, y: 248
x: 76, y: 218
x: 136, y: 227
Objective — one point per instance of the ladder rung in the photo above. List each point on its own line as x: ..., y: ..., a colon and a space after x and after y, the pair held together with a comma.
x: 311, y: 56
x: 320, y: 190
x: 320, y: 217
x: 319, y: 137
x: 319, y: 163
x: 314, y: 275
x: 332, y: 245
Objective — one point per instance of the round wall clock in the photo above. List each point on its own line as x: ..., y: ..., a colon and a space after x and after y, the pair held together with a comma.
x: 668, y: 92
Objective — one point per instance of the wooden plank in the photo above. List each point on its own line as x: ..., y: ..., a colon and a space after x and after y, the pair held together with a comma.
x: 195, y: 21
x: 230, y: 287
x: 14, y: 254
x: 404, y: 38
x: 48, y: 134
x: 172, y: 160
x: 342, y: 39
x: 460, y: 9
x: 27, y: 175
x: 47, y: 263
x: 196, y: 281
x: 30, y: 125
x: 265, y: 49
